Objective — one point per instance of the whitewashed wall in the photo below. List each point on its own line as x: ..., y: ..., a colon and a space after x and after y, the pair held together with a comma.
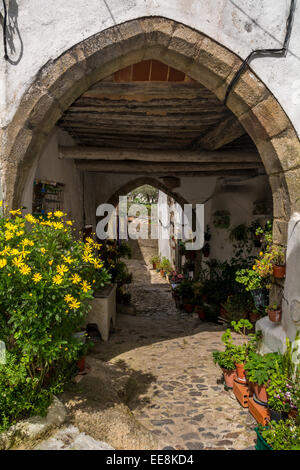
x: 47, y: 28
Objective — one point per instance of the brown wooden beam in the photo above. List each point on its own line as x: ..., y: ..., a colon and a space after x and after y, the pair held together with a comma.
x: 221, y: 134
x: 164, y: 156
x: 167, y: 168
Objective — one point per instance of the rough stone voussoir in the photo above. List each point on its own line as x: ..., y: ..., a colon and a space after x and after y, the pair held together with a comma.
x: 158, y: 31
x: 247, y: 93
x: 186, y: 42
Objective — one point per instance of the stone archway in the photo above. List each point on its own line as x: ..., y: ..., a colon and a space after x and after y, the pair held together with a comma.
x: 61, y: 81
x: 137, y: 182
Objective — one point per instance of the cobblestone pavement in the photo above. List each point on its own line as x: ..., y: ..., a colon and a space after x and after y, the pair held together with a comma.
x: 176, y: 390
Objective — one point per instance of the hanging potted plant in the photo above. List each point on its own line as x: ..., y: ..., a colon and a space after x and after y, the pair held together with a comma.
x: 274, y: 313
x: 278, y: 258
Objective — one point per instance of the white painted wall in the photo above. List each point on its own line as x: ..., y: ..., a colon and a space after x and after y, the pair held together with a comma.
x: 51, y: 168
x: 47, y: 28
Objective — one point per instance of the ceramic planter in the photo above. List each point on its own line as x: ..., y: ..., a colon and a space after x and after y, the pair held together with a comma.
x: 162, y: 273
x: 293, y: 414
x: 261, y: 444
x: 240, y: 373
x: 260, y: 392
x: 223, y: 312
x: 278, y: 271
x: 154, y: 265
x: 229, y: 376
x: 277, y: 415
x: 188, y: 308
x: 275, y: 315
x: 200, y: 311
x: 253, y: 317
x: 81, y: 364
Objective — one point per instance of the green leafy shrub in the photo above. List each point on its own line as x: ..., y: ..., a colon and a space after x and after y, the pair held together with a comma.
x: 261, y: 368
x: 46, y: 281
x: 284, y: 435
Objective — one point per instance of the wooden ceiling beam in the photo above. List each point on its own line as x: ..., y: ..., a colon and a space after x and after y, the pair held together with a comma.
x: 163, y: 156
x: 142, y: 167
x: 221, y: 134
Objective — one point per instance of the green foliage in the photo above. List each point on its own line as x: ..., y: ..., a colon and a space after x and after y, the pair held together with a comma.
x: 125, y: 250
x: 46, y: 280
x: 277, y: 391
x: 260, y: 368
x: 224, y: 359
x: 284, y: 435
x: 251, y: 279
x: 155, y: 259
x: 165, y: 265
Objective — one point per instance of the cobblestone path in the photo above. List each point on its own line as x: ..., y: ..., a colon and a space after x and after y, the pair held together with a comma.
x: 176, y: 390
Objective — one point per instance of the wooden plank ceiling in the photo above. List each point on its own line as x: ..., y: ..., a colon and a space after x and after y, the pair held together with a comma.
x: 151, y: 106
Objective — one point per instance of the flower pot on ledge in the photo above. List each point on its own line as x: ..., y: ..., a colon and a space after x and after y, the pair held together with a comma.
x: 278, y: 271
x: 275, y: 315
x: 229, y: 376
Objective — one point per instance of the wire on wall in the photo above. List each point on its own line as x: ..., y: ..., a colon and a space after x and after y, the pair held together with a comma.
x: 5, y: 30
x: 265, y: 52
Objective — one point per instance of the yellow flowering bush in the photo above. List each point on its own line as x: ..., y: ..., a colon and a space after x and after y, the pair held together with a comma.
x: 46, y: 280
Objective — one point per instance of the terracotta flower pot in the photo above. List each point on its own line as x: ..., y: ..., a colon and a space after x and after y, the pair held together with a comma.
x: 278, y: 271
x: 275, y: 315
x: 154, y: 265
x: 240, y: 373
x: 200, y: 311
x: 81, y: 364
x: 229, y: 376
x: 188, y: 308
x: 253, y: 317
x: 260, y: 392
x: 162, y: 273
x: 223, y: 312
x: 293, y: 414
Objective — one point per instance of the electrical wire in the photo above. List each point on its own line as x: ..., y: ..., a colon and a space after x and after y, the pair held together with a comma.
x: 5, y: 30
x: 258, y: 53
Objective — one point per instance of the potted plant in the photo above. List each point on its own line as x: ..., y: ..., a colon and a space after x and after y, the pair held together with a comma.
x: 259, y: 369
x: 225, y: 359
x: 256, y: 284
x: 186, y: 292
x: 278, y: 397
x: 254, y: 315
x: 155, y: 260
x: 278, y: 259
x: 165, y: 266
x: 242, y: 351
x: 274, y: 313
x: 284, y: 435
x: 225, y: 362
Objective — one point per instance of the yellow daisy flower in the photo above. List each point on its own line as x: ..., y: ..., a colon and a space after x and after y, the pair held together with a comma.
x: 86, y: 286
x: 25, y: 270
x: 37, y: 277
x: 57, y: 279
x: 3, y: 263
x: 75, y: 278
x: 58, y: 214
x: 61, y: 269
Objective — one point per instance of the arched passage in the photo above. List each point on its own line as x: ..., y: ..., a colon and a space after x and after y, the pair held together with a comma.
x: 61, y: 81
